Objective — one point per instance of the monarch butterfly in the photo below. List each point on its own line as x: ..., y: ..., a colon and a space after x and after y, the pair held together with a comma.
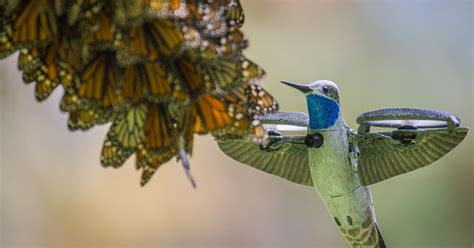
x: 155, y: 39
x: 105, y: 34
x: 34, y: 25
x: 235, y: 14
x: 152, y: 81
x: 133, y: 13
x: 159, y: 70
x: 40, y: 65
x: 100, y: 81
x: 155, y: 133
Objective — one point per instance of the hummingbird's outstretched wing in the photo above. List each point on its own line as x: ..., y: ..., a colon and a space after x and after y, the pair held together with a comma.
x: 283, y: 156
x: 420, y: 137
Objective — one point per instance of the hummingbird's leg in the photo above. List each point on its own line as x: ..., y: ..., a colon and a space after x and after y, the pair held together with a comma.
x: 183, y: 156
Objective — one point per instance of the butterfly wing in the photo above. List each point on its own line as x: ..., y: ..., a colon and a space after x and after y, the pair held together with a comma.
x: 159, y: 71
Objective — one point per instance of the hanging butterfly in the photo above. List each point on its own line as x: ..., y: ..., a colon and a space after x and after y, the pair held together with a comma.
x: 159, y: 70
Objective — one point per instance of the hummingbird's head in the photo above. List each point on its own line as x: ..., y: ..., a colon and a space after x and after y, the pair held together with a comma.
x: 322, y: 98
x: 320, y: 87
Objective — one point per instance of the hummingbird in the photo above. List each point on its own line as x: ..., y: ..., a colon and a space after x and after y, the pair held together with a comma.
x: 341, y: 163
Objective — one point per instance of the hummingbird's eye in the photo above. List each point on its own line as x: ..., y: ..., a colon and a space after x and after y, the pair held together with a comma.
x: 326, y: 90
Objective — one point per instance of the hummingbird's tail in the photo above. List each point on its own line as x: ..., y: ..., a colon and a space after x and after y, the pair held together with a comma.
x: 381, y: 242
x: 367, y: 235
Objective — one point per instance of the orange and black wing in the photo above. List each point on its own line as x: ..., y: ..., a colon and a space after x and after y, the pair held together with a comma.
x: 159, y: 71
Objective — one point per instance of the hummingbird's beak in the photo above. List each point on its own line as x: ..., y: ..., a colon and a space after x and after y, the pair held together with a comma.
x: 300, y: 87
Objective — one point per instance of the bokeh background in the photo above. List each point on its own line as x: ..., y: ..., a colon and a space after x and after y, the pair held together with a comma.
x: 54, y: 192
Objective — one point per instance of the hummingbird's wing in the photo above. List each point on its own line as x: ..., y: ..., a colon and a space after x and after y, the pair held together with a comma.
x: 283, y: 156
x: 419, y: 138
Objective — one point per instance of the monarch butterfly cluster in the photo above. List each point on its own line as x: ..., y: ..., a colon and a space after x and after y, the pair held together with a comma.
x: 158, y: 70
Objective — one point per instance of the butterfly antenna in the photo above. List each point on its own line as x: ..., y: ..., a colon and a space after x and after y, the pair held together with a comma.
x: 183, y: 156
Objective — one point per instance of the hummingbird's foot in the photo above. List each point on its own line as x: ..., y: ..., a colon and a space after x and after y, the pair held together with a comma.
x: 183, y: 156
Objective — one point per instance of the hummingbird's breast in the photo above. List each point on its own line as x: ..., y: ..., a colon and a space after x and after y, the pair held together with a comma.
x: 337, y: 182
x: 330, y: 166
x: 335, y: 176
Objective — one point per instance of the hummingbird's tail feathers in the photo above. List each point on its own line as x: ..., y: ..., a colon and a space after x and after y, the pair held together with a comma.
x: 381, y: 241
x: 366, y: 235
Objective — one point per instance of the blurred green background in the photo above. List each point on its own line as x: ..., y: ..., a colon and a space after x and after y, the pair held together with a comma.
x: 381, y: 53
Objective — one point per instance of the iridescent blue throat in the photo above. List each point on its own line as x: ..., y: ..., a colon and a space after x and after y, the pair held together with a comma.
x: 323, y: 111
